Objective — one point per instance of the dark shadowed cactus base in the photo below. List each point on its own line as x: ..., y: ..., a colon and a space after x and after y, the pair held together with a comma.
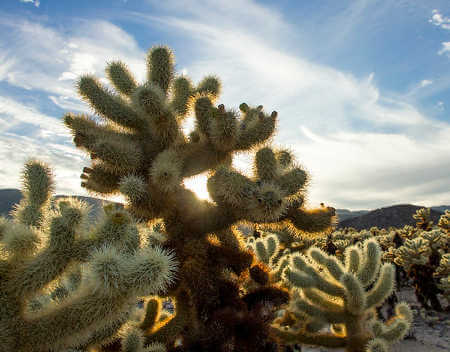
x: 138, y: 149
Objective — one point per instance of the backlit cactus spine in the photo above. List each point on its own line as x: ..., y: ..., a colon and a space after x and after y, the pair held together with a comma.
x: 329, y: 294
x: 117, y: 272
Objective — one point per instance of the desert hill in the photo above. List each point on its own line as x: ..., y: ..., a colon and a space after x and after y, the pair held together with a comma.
x: 395, y: 215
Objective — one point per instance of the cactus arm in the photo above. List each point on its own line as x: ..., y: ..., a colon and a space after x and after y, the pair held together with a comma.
x: 337, y: 316
x: 121, y: 77
x: 259, y: 128
x: 108, y: 336
x: 103, y: 141
x: 292, y: 181
x: 261, y: 251
x: 315, y: 279
x: 86, y: 132
x: 54, y: 327
x: 352, y: 259
x: 203, y: 108
x: 201, y: 216
x: 201, y: 156
x: 160, y: 67
x: 19, y: 240
x: 117, y: 154
x: 84, y: 129
x: 152, y: 313
x: 168, y: 330
x: 210, y: 85
x: 371, y: 263
x: 355, y: 297
x: 113, y: 282
x: 183, y: 90
x: 107, y: 105
x: 38, y: 186
x: 105, y: 334
x: 100, y: 179
x: 395, y: 331
x: 313, y: 220
x: 151, y: 102
x: 265, y: 164
x: 320, y: 300
x: 52, y: 261
x: 333, y: 266
x: 223, y: 129
x: 383, y: 287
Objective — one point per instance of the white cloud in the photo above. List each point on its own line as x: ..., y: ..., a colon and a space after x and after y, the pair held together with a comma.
x: 35, y: 56
x: 425, y: 82
x: 35, y: 2
x: 440, y: 20
x: 16, y: 113
x: 443, y: 22
x: 367, y: 170
x: 445, y: 49
x: 27, y: 133
x: 69, y: 104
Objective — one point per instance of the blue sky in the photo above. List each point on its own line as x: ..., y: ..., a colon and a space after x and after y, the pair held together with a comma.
x: 362, y: 87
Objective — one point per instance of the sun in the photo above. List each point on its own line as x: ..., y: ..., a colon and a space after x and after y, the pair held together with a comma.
x: 197, y: 184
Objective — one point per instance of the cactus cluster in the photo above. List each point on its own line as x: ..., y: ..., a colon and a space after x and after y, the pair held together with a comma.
x: 334, y: 303
x: 417, y: 254
x: 224, y: 298
x: 70, y: 286
x: 65, y: 284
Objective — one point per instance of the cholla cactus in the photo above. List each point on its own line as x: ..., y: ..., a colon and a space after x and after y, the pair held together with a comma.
x: 423, y: 219
x: 93, y: 305
x: 267, y: 250
x: 343, y: 298
x: 140, y: 150
x: 420, y: 257
x: 443, y: 273
x: 444, y: 222
x: 413, y: 252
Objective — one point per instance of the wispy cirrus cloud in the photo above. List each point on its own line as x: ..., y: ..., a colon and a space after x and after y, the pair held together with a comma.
x: 39, y: 57
x: 26, y: 133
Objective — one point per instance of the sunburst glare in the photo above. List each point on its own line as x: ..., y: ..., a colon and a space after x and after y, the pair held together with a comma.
x: 197, y: 184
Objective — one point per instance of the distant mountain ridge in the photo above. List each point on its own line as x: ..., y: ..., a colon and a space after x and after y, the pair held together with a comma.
x: 10, y: 197
x: 396, y: 215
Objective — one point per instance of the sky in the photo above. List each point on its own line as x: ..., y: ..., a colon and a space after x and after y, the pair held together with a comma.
x: 361, y: 87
